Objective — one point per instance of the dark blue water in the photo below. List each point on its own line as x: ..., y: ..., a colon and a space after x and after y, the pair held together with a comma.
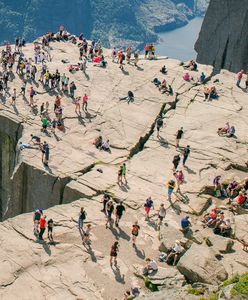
x: 179, y: 43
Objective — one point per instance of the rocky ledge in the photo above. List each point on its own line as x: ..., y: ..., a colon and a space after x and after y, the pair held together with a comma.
x: 79, y: 174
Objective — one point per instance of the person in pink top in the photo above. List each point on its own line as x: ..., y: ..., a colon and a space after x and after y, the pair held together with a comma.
x: 186, y: 77
x: 239, y: 77
x: 85, y: 103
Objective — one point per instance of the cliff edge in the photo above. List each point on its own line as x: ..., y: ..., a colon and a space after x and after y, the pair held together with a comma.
x: 223, y: 40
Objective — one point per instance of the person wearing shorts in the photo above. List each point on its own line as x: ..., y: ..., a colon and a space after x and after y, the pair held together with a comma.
x: 148, y: 205
x: 161, y: 214
x: 135, y: 232
x: 109, y: 211
x: 113, y: 253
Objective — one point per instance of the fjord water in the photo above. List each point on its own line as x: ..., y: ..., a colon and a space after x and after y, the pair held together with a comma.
x: 179, y: 43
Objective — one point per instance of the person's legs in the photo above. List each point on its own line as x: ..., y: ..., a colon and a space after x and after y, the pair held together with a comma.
x: 42, y: 230
x: 184, y: 160
x: 175, y: 259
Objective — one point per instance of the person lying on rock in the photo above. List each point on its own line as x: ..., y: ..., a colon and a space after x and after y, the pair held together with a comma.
x: 150, y: 267
x: 98, y: 142
x: 129, y: 97
x: 35, y: 140
x: 175, y: 252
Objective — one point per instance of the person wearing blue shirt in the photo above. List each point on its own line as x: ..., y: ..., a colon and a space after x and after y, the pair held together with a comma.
x: 185, y: 223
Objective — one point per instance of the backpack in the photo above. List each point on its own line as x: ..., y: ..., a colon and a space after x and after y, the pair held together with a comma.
x: 123, y: 57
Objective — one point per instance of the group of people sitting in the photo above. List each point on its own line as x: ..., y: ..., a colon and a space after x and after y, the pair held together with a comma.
x: 210, y: 93
x: 233, y: 190
x: 216, y: 219
x: 227, y: 130
x: 163, y: 86
x: 150, y: 51
x: 192, y: 66
x: 101, y: 145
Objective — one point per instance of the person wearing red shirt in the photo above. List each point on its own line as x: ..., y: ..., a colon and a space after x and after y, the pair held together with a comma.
x: 85, y: 103
x: 42, y: 227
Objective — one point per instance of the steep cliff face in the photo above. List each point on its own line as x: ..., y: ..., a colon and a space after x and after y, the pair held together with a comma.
x: 115, y: 22
x: 223, y: 40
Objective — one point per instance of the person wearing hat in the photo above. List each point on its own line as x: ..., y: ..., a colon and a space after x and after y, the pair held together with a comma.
x: 175, y: 252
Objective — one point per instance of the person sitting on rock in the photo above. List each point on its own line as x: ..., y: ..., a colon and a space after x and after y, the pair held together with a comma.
x: 231, y: 132
x: 163, y: 70
x: 150, y: 267
x: 175, y: 252
x: 98, y: 142
x: 223, y: 130
x: 202, y: 77
x: 156, y: 82
x: 129, y: 97
x: 163, y: 86
x: 225, y: 226
x: 169, y: 90
x: 212, y: 217
x: 106, y: 146
x: 239, y: 200
x: 186, y: 76
x: 213, y: 93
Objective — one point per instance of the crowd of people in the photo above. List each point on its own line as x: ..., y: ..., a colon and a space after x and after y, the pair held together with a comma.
x: 52, y: 119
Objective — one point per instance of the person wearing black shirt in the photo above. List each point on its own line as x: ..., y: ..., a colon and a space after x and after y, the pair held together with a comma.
x: 179, y: 136
x: 186, y: 153
x: 120, y: 208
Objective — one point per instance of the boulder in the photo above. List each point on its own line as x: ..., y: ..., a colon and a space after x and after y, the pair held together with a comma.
x: 200, y: 264
x: 166, y: 277
x: 221, y: 244
x: 241, y: 228
x: 168, y: 234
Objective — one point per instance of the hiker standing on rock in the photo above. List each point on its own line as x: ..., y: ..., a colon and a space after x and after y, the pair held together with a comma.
x: 109, y: 210
x: 171, y: 185
x: 161, y: 214
x: 105, y: 199
x: 50, y: 230
x: 186, y: 153
x: 159, y: 124
x: 113, y: 254
x: 85, y: 103
x: 42, y: 227
x: 124, y: 171
x: 81, y: 219
x: 119, y: 178
x: 148, y: 206
x: 86, y: 239
x: 179, y: 135
x: 120, y: 208
x: 37, y: 216
x: 135, y: 232
x: 176, y: 161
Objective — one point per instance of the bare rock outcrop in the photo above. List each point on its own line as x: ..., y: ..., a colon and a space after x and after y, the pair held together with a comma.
x: 223, y: 40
